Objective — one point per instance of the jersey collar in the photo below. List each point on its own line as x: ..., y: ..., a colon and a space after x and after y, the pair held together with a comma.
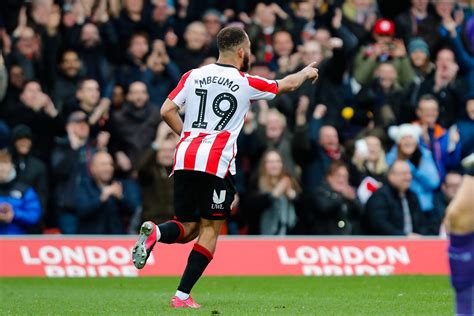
x: 226, y: 65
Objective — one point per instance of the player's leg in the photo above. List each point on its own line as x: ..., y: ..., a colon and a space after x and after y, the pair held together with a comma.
x: 214, y: 204
x: 198, y: 260
x: 460, y: 225
x: 184, y: 228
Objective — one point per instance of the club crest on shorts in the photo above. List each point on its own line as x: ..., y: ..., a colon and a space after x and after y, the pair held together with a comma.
x: 218, y: 199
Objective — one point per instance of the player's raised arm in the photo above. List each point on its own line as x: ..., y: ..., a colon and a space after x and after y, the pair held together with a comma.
x: 294, y: 81
x: 170, y: 114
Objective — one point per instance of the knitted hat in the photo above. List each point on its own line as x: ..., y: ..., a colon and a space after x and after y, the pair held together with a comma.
x: 398, y: 132
x: 416, y: 44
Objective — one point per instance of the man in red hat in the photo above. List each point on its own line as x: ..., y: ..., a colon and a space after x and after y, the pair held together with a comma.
x: 386, y: 48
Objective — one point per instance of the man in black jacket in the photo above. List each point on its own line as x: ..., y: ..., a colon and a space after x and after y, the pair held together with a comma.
x: 393, y: 209
x: 69, y: 160
x: 101, y: 201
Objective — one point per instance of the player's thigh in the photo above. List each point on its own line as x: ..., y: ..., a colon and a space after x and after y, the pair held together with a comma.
x: 215, y: 197
x: 460, y: 212
x: 185, y: 196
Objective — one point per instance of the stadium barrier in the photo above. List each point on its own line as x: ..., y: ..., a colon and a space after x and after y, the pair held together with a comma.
x: 103, y: 256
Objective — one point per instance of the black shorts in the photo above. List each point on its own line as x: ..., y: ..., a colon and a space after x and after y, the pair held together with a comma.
x: 201, y: 195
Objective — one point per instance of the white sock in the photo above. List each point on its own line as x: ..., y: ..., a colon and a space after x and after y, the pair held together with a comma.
x: 158, y: 233
x: 181, y: 295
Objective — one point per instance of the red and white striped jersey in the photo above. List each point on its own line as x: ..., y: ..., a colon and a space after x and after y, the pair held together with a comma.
x: 216, y: 99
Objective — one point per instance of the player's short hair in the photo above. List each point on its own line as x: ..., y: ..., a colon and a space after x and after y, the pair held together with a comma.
x: 230, y: 37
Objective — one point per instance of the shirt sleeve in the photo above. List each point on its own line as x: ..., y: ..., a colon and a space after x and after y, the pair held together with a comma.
x: 261, y: 88
x: 179, y: 94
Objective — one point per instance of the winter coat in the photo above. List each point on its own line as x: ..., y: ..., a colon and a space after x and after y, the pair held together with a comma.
x: 425, y: 175
x: 384, y: 212
x: 26, y: 207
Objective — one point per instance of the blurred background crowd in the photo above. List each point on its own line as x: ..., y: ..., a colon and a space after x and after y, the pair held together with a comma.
x: 374, y: 147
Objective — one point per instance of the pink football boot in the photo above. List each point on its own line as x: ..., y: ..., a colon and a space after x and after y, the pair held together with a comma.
x: 143, y: 247
x: 176, y: 302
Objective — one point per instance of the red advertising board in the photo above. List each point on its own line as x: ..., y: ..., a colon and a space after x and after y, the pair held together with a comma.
x: 110, y: 256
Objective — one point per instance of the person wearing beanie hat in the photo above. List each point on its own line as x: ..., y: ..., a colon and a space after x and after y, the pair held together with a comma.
x: 396, y: 133
x: 420, y: 58
x: 423, y: 168
x: 418, y: 44
x: 30, y: 170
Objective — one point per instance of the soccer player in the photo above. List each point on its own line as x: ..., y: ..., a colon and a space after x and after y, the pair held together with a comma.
x: 460, y: 225
x: 216, y: 99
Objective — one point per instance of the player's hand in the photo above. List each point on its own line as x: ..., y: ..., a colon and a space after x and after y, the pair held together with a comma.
x: 311, y: 72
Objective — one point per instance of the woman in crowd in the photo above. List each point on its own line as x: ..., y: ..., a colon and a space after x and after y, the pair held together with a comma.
x: 368, y: 160
x: 274, y: 196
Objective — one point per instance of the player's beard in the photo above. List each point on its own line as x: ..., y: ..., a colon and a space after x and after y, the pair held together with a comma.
x: 245, y: 63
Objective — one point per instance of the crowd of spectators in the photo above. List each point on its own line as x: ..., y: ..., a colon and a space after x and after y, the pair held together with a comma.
x: 374, y: 147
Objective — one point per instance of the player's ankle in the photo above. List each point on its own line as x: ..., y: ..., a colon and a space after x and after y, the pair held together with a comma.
x: 181, y: 295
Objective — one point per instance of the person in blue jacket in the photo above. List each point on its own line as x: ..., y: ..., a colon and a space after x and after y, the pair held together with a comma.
x: 444, y: 145
x: 423, y: 168
x: 19, y: 205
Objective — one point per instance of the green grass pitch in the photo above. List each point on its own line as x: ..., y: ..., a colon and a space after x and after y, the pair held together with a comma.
x: 392, y: 295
